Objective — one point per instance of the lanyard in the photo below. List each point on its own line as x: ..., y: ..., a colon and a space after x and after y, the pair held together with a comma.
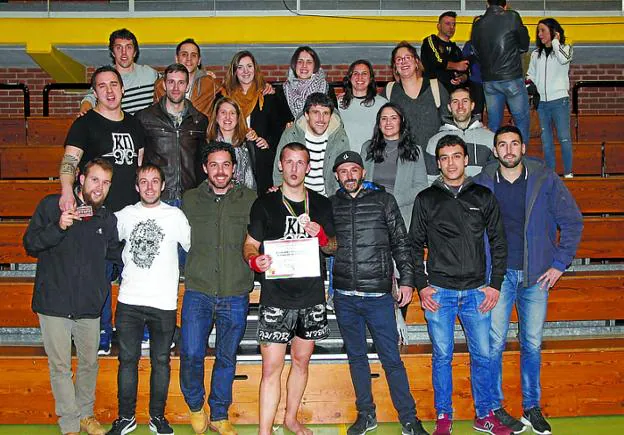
x: 306, y: 205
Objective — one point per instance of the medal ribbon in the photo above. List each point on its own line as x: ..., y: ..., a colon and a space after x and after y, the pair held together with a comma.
x: 306, y: 204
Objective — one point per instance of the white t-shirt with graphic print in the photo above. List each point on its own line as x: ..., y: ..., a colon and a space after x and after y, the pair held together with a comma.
x: 151, y: 274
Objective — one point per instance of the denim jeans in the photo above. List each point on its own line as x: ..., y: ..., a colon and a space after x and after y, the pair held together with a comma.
x: 130, y: 321
x: 441, y: 326
x: 200, y: 312
x: 531, y: 306
x: 354, y: 314
x: 557, y: 113
x: 514, y: 93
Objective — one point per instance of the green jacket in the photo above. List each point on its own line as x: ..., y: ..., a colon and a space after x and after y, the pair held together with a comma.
x: 215, y: 264
x: 337, y: 143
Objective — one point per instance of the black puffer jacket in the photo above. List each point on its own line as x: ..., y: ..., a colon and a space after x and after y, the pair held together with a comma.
x: 370, y: 232
x: 499, y: 38
x: 175, y: 150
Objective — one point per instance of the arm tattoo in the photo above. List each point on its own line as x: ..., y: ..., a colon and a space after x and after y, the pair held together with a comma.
x: 331, y: 246
x: 69, y: 164
x: 249, y: 250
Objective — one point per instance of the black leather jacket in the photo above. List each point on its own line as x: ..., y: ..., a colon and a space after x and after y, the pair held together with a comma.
x: 175, y: 150
x: 370, y: 233
x: 499, y: 38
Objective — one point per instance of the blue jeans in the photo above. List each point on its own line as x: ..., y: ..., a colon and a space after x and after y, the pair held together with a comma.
x: 441, y: 326
x: 354, y: 314
x: 531, y: 306
x: 557, y: 113
x: 200, y: 312
x: 131, y: 320
x: 514, y: 93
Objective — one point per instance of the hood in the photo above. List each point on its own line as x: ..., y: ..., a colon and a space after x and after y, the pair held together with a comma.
x: 533, y: 165
x: 450, y: 125
x: 440, y: 184
x: 367, y: 187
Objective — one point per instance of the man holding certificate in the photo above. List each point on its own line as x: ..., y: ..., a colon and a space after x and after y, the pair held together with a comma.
x: 287, y: 227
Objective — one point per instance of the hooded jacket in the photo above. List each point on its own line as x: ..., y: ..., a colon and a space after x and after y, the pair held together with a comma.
x: 370, y: 233
x: 549, y: 204
x: 499, y: 38
x: 71, y: 279
x: 479, y: 140
x: 337, y: 143
x: 174, y: 148
x: 453, y: 226
x: 550, y: 73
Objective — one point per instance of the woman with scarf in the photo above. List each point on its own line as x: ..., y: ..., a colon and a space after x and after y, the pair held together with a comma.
x: 265, y: 113
x: 305, y: 77
x: 228, y: 125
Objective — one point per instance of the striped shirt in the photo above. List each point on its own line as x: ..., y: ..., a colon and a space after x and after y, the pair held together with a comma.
x: 317, y: 146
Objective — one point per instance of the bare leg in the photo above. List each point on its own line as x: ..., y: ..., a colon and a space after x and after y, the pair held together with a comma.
x: 270, y: 385
x: 300, y: 353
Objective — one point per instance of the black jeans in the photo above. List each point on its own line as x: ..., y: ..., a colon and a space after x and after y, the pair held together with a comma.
x: 130, y: 321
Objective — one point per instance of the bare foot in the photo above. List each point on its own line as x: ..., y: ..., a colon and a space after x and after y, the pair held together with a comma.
x: 296, y: 427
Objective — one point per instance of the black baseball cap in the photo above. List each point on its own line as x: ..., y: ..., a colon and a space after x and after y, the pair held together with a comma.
x: 348, y: 157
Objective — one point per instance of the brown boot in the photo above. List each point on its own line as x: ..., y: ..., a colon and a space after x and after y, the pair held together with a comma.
x: 199, y: 421
x: 91, y: 426
x: 224, y: 427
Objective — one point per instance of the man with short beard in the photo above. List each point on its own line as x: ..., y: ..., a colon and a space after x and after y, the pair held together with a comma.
x: 71, y: 284
x: 218, y: 282
x: 534, y: 203
x: 148, y: 296
x: 174, y: 133
x: 370, y: 234
x: 462, y: 123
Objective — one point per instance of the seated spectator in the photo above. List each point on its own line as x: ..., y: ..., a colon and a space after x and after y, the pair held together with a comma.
x: 360, y: 103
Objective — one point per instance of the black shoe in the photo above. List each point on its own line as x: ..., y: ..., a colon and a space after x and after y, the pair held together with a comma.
x: 533, y: 417
x: 160, y: 426
x: 512, y: 423
x: 413, y: 428
x: 122, y: 426
x: 363, y: 424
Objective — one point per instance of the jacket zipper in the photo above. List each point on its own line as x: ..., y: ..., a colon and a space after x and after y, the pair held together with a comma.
x: 546, y: 79
x: 354, y: 275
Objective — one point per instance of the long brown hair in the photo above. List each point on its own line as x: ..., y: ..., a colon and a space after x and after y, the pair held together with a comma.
x: 230, y: 83
x: 241, y: 125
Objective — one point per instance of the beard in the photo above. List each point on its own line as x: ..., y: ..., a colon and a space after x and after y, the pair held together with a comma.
x: 358, y: 183
x: 88, y: 199
x: 510, y: 164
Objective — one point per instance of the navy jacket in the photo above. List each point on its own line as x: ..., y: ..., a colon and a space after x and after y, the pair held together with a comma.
x: 549, y: 205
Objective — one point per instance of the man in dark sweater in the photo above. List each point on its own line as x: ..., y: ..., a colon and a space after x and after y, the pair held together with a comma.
x: 370, y: 234
x: 452, y: 218
x: 441, y: 57
x: 72, y: 247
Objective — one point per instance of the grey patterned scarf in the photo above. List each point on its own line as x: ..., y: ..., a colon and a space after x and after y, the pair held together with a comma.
x: 297, y: 90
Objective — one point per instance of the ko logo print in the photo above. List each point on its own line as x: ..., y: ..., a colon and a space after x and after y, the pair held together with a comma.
x: 294, y: 229
x: 145, y: 241
x: 123, y: 149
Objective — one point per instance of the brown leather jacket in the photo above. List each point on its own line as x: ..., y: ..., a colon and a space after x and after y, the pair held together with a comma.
x: 203, y: 91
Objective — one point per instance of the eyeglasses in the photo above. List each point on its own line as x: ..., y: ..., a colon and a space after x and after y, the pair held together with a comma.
x: 406, y: 58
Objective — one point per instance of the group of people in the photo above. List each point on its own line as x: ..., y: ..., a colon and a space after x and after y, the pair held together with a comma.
x: 243, y: 180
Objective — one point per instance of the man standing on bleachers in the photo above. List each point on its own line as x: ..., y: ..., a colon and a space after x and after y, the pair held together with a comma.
x: 148, y: 297
x: 534, y: 202
x: 71, y: 284
x: 202, y: 86
x: 499, y: 39
x: 138, y: 79
x: 442, y: 58
x: 462, y: 123
x: 112, y: 134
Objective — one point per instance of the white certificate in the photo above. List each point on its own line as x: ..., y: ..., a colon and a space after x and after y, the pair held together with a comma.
x: 293, y: 258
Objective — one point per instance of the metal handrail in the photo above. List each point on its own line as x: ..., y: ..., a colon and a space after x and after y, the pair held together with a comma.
x: 25, y: 93
x: 52, y: 86
x: 591, y: 84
